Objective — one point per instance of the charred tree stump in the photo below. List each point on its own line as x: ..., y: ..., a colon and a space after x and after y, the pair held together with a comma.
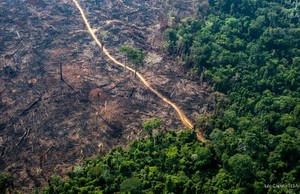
x: 60, y: 72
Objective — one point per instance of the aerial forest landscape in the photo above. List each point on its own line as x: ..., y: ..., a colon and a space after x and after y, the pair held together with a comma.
x: 150, y: 96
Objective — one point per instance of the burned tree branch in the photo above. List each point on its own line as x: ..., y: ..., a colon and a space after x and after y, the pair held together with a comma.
x: 21, y: 139
x: 24, y: 112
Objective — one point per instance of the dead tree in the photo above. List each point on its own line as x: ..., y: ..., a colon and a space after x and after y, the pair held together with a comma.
x: 60, y: 72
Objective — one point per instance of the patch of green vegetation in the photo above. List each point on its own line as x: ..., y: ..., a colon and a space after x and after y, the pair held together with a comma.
x: 135, y: 56
x: 6, y: 181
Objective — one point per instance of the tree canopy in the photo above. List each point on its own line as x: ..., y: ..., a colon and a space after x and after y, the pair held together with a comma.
x: 249, y: 52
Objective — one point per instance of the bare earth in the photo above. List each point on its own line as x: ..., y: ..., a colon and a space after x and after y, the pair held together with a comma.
x: 46, y: 124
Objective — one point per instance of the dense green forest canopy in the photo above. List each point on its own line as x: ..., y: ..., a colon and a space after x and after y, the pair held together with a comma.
x: 249, y: 51
x: 178, y: 163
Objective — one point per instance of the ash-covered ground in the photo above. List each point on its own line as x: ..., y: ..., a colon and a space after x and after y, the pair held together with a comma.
x: 47, y: 124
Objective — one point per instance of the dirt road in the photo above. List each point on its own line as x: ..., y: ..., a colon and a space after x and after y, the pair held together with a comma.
x: 186, y: 122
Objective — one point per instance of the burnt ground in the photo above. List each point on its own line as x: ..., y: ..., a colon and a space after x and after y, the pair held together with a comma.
x: 48, y: 124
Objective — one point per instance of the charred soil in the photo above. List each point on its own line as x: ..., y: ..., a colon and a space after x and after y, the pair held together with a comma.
x: 48, y: 122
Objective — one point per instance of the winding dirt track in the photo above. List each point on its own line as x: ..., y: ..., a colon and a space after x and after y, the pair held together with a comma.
x: 186, y: 122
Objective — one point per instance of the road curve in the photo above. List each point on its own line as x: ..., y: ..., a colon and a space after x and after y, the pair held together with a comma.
x: 186, y: 122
